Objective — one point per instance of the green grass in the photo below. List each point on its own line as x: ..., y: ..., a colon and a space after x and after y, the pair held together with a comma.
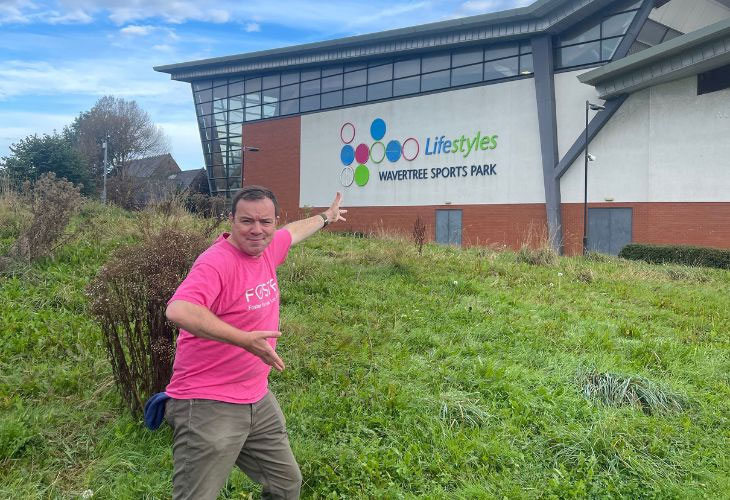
x: 455, y: 374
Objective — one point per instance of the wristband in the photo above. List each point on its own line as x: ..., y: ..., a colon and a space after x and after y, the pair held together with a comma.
x: 325, y: 219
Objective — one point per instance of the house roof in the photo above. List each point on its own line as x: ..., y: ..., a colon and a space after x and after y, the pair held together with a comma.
x: 146, y: 167
x: 696, y: 52
x: 186, y: 177
x: 542, y: 16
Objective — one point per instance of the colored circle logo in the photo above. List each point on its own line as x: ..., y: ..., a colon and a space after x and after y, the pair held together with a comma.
x: 347, y: 155
x: 347, y: 176
x: 393, y: 151
x: 347, y: 133
x: 377, y: 152
x: 410, y: 149
x: 362, y: 175
x: 362, y: 153
x: 377, y: 129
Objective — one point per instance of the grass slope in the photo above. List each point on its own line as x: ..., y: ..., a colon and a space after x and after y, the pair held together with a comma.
x: 456, y: 374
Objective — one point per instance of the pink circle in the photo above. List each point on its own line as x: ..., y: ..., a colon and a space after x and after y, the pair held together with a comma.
x: 362, y: 153
x: 347, y: 133
x: 410, y: 149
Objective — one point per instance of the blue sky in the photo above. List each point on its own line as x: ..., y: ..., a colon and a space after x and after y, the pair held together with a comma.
x: 58, y: 57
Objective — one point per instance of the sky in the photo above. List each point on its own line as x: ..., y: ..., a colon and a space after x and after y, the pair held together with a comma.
x: 57, y: 58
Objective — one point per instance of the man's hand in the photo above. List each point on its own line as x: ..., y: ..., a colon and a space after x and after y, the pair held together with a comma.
x: 256, y: 344
x: 334, y: 212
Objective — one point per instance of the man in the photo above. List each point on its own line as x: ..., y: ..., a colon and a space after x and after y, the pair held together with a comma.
x: 227, y: 309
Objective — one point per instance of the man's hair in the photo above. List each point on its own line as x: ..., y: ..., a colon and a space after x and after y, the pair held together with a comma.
x: 253, y: 193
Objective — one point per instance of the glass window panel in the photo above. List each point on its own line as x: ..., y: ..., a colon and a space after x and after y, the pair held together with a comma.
x: 310, y: 74
x: 210, y: 134
x: 253, y: 85
x: 234, y: 183
x: 608, y: 47
x: 289, y: 107
x: 220, y: 105
x: 235, y: 89
x: 310, y: 87
x: 332, y: 70
x: 332, y: 99
x: 220, y: 81
x: 435, y: 62
x: 310, y: 103
x: 404, y: 86
x: 652, y: 33
x: 525, y: 48
x: 253, y: 99
x: 235, y: 102
x: 575, y: 55
x: 235, y: 116
x: 581, y: 34
x: 617, y: 25
x: 204, y: 121
x: 380, y: 73
x: 270, y: 81
x: 235, y: 141
x: 466, y: 57
x: 202, y: 84
x: 627, y: 6
x: 270, y: 110
x: 500, y: 51
x: 220, y: 119
x: 526, y: 64
x: 253, y: 113
x: 331, y: 83
x: 270, y: 95
x: 356, y: 78
x: 218, y: 170
x: 234, y: 162
x: 408, y: 67
x: 220, y: 92
x: 467, y: 74
x: 380, y: 90
x: 353, y: 96
x: 433, y: 81
x: 290, y: 77
x: 290, y: 91
x: 204, y: 96
x: 355, y: 66
x: 501, y: 68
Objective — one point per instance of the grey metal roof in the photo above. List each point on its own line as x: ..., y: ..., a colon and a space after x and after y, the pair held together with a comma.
x: 186, y: 177
x: 147, y: 167
x: 686, y: 55
x: 543, y: 16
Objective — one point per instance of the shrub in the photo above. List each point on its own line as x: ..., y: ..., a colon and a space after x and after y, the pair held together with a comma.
x: 419, y: 234
x: 52, y: 203
x: 129, y: 296
x: 679, y: 254
x: 542, y: 256
x: 618, y: 390
x: 206, y: 206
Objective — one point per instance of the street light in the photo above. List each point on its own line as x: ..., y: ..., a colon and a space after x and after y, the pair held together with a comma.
x: 592, y: 107
x: 105, y: 146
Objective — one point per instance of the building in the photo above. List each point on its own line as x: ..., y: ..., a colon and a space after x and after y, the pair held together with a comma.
x: 478, y: 125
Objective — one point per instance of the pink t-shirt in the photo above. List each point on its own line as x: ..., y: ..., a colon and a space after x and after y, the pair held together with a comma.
x: 242, y: 291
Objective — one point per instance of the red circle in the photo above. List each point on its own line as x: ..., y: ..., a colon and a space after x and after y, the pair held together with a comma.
x: 403, y: 149
x: 343, y: 129
x: 362, y: 153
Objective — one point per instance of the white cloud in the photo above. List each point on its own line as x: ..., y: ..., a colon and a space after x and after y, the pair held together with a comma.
x: 136, y: 30
x: 251, y: 27
x: 74, y: 16
x: 15, y: 11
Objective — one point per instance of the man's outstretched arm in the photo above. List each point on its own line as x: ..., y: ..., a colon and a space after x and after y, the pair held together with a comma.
x: 303, y: 229
x: 199, y: 321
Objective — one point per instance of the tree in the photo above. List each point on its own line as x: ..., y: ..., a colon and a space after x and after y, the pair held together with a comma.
x: 130, y: 131
x: 34, y: 156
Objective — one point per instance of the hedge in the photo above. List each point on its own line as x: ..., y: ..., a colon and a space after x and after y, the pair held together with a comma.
x: 678, y: 254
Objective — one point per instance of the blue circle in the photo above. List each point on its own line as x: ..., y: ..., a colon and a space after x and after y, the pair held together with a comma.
x: 347, y: 155
x: 377, y: 129
x: 392, y: 151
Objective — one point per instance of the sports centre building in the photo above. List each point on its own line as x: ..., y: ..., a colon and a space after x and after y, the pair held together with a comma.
x: 478, y: 125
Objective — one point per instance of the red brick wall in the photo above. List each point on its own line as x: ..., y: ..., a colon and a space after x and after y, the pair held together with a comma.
x: 701, y: 224
x: 276, y: 165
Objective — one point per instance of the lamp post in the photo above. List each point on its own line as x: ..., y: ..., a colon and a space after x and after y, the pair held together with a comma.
x: 243, y: 162
x: 105, y: 146
x: 593, y: 107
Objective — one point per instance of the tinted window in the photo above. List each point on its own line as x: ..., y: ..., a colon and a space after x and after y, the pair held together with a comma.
x: 353, y: 96
x: 465, y: 57
x: 501, y: 68
x: 309, y: 103
x: 466, y: 74
x: 435, y: 62
x: 356, y: 78
x: 433, y: 81
x: 410, y: 85
x: 332, y: 99
x: 380, y: 73
x: 380, y: 91
x: 406, y: 68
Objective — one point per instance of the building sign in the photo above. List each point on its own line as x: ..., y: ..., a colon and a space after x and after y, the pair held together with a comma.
x: 426, y: 150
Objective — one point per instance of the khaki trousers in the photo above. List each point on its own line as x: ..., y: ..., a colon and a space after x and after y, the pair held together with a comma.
x: 211, y: 436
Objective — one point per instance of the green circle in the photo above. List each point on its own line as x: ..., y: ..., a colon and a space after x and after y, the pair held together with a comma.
x: 371, y: 152
x: 362, y: 175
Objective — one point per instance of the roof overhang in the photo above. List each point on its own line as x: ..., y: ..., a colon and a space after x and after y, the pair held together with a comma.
x: 543, y: 16
x: 686, y: 55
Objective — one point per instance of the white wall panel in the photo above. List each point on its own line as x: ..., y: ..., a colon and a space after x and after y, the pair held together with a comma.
x: 690, y: 15
x: 665, y: 144
x: 570, y: 101
x: 507, y: 110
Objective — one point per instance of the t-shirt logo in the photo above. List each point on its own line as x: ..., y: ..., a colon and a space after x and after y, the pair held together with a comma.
x: 262, y: 294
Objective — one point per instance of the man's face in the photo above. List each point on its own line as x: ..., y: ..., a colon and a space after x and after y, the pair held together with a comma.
x: 253, y: 226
